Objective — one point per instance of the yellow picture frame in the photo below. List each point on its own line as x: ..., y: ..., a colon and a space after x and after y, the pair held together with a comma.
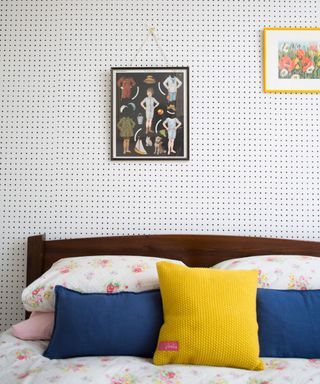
x: 272, y: 82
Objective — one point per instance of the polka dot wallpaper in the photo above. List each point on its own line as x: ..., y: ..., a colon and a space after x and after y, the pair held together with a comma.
x: 254, y: 157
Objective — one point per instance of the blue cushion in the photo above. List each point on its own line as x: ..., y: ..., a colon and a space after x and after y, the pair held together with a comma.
x: 95, y: 324
x: 289, y: 323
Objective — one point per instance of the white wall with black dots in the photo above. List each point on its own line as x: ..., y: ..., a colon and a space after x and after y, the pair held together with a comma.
x: 254, y: 157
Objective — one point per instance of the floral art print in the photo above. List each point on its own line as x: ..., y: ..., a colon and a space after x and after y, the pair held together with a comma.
x: 299, y: 60
x: 292, y: 60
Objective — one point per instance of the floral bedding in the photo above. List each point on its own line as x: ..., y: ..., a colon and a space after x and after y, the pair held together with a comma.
x: 92, y: 274
x: 280, y: 271
x: 21, y: 362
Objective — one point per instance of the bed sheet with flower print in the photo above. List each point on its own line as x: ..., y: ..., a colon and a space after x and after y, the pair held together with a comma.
x: 22, y: 362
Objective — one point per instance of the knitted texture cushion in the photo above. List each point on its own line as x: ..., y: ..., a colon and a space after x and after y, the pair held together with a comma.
x: 209, y: 317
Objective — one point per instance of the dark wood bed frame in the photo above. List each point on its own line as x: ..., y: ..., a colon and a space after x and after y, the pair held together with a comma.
x: 194, y: 250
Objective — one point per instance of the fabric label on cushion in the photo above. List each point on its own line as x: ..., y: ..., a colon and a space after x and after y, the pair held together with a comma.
x: 168, y: 346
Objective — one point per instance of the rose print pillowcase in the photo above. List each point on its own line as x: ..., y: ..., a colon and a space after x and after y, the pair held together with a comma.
x: 93, y: 274
x: 280, y: 271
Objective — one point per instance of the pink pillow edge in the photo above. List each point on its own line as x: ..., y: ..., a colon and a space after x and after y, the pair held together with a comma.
x: 38, y: 327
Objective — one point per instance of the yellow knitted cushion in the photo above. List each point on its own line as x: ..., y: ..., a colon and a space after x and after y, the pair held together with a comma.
x: 209, y: 317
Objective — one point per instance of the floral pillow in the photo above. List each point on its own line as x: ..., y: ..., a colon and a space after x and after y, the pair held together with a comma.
x: 92, y: 274
x: 280, y: 271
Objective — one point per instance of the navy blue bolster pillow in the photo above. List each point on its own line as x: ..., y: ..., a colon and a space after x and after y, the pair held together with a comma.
x: 289, y: 323
x: 97, y: 324
x: 126, y: 323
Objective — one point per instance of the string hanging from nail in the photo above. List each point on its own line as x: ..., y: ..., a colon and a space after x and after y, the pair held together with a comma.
x: 152, y: 34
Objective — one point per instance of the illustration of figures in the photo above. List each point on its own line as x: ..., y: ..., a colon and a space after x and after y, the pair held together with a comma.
x: 171, y: 124
x: 172, y: 83
x: 126, y: 84
x: 149, y: 104
x: 125, y: 126
x: 150, y: 113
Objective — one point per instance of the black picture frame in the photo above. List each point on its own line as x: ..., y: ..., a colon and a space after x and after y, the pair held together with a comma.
x: 149, y: 121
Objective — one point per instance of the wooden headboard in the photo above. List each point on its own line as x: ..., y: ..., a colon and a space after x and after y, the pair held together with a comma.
x: 194, y: 250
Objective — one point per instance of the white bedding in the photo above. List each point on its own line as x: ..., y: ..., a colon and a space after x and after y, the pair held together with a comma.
x: 22, y: 362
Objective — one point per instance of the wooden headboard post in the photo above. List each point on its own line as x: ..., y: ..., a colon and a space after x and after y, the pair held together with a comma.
x: 36, y: 248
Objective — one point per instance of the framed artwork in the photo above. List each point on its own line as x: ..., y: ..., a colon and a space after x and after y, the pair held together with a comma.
x: 292, y: 60
x: 150, y: 113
